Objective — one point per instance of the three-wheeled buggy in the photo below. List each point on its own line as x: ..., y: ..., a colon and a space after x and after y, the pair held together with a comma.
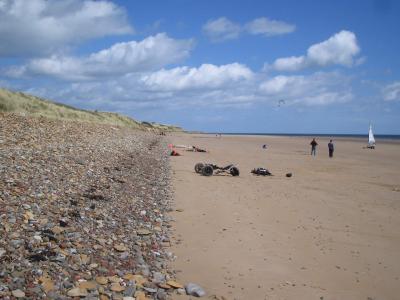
x: 208, y: 169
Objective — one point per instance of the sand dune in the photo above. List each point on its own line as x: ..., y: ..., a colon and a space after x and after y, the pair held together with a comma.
x: 329, y: 232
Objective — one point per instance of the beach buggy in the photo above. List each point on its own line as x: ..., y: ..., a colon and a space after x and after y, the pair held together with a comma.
x: 210, y: 169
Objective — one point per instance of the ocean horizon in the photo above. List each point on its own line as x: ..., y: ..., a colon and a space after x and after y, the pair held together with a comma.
x: 332, y: 135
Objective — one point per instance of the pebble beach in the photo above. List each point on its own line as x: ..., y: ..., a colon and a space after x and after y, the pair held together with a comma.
x: 83, y: 211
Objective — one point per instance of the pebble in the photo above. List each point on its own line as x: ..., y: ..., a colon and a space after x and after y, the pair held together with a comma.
x: 77, y: 292
x: 193, y: 289
x: 18, y: 294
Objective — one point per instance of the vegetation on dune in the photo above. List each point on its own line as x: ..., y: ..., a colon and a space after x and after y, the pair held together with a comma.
x: 21, y: 103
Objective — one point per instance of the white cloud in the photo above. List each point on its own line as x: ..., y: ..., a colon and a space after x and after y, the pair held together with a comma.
x: 269, y: 27
x: 206, y: 76
x: 391, y: 92
x: 232, y: 85
x: 149, y: 54
x: 221, y: 29
x: 339, y: 49
x: 292, y: 63
x: 316, y: 89
x: 38, y: 27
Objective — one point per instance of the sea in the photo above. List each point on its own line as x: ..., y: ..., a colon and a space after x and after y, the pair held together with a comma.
x: 332, y: 135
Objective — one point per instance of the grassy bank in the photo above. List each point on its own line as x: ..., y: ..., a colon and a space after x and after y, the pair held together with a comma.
x: 25, y: 104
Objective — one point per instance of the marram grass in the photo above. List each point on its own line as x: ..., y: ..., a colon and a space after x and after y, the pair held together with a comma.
x: 24, y: 104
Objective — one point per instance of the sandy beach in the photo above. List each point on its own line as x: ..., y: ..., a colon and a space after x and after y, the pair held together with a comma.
x: 329, y: 232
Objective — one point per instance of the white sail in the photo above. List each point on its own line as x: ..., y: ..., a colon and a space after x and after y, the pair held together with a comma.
x: 371, y: 139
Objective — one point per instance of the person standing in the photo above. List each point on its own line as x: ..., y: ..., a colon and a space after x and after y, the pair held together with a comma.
x: 331, y: 148
x: 314, y: 145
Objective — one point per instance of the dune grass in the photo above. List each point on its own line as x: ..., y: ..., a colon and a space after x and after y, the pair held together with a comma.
x: 21, y: 103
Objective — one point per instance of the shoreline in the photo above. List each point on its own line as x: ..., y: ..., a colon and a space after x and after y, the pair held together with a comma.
x: 344, y: 137
x: 364, y: 139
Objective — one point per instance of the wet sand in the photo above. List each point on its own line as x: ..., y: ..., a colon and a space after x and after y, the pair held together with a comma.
x: 329, y: 232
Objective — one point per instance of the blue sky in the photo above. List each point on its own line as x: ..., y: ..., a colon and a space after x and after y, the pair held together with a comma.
x: 219, y: 66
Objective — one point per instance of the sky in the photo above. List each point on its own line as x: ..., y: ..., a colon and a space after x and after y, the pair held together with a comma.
x: 212, y: 65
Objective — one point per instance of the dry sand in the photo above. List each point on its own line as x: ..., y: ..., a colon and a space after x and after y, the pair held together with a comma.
x: 329, y: 232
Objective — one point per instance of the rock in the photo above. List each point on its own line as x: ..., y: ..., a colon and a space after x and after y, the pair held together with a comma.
x: 181, y: 291
x: 18, y: 293
x: 120, y: 248
x: 175, y: 284
x: 57, y: 229
x: 143, y: 231
x: 193, y: 289
x: 89, y: 285
x: 114, y: 279
x: 77, y: 292
x: 158, y: 277
x: 164, y: 286
x: 140, y: 295
x: 116, y: 287
x: 129, y: 291
x: 101, y: 280
x: 2, y: 252
x: 150, y: 290
x: 161, y: 295
x: 47, y: 284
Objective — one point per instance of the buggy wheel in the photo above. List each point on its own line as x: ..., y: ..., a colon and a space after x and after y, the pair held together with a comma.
x: 207, y: 170
x: 234, y: 171
x: 198, y: 167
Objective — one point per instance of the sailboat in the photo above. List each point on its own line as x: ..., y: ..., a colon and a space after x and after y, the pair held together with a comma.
x: 371, y: 139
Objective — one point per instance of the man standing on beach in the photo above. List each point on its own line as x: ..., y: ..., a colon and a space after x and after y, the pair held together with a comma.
x: 314, y: 145
x: 330, y: 148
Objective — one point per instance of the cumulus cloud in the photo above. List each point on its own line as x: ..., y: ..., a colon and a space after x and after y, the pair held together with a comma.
x: 232, y: 85
x: 269, y: 27
x: 315, y: 89
x: 206, y: 76
x: 152, y: 53
x: 40, y: 27
x: 340, y: 49
x: 391, y: 92
x: 221, y: 29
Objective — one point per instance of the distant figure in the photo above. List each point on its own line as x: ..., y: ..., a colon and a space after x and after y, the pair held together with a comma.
x: 264, y: 146
x: 331, y: 148
x: 314, y: 145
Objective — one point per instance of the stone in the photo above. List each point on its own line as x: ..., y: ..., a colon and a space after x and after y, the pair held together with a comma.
x: 102, y: 280
x: 140, y: 295
x: 164, y: 286
x: 161, y: 295
x: 89, y: 285
x: 77, y: 292
x: 175, y: 284
x: 47, y: 283
x: 18, y: 293
x: 193, y: 289
x: 181, y: 291
x: 120, y: 248
x: 116, y: 287
x: 114, y: 279
x: 129, y: 291
x: 143, y: 231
